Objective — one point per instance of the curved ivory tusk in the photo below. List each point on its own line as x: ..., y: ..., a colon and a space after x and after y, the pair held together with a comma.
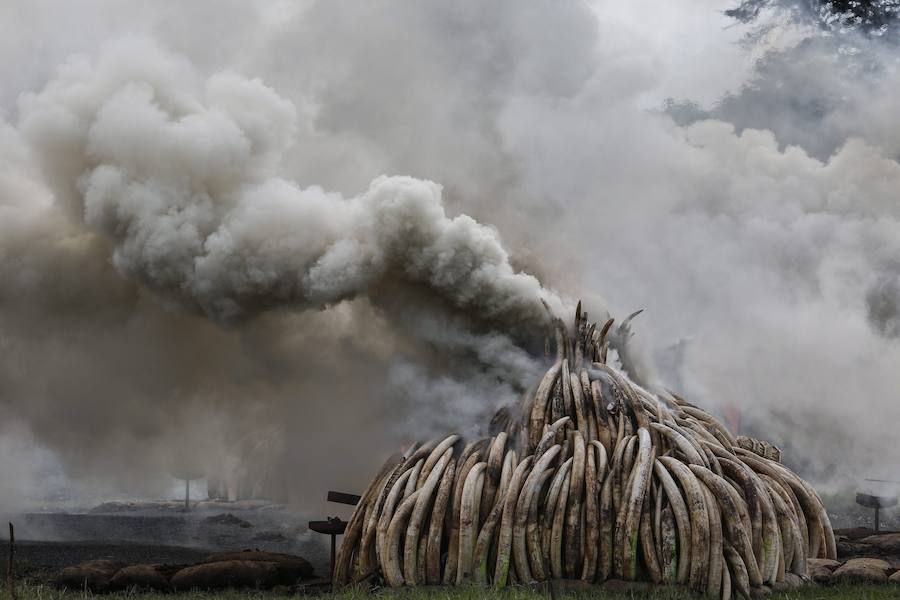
x: 450, y: 570
x: 714, y: 571
x: 699, y: 520
x: 640, y: 482
x: 578, y: 400
x: 533, y: 532
x: 541, y: 397
x: 436, y: 527
x: 740, y: 578
x: 682, y: 519
x: 393, y: 575
x: 435, y: 456
x: 734, y: 529
x: 549, y: 437
x: 523, y: 505
x: 680, y: 442
x: 591, y: 513
x: 492, y: 474
x: 354, y: 525
x: 387, y: 513
x: 600, y: 459
x: 411, y: 545
x: 468, y: 521
x: 726, y: 579
x: 556, y: 532
x: 556, y: 485
x: 572, y: 555
x: 504, y: 547
x: 485, y: 539
x: 648, y: 547
x: 669, y: 561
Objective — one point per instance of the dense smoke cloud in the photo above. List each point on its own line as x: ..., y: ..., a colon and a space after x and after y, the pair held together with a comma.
x: 181, y: 177
x: 153, y: 181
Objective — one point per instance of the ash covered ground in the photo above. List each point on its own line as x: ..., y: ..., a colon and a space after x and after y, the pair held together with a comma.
x: 160, y: 532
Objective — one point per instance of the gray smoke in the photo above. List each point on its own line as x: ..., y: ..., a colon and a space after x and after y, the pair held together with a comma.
x: 134, y: 168
x: 178, y: 167
x: 182, y: 175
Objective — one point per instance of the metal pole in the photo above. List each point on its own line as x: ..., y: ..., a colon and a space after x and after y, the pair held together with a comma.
x: 877, y: 519
x: 187, y: 494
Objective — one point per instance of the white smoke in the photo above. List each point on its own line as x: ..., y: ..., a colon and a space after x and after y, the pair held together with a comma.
x: 183, y: 175
x: 777, y: 261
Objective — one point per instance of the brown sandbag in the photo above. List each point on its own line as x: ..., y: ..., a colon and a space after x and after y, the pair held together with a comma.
x: 252, y: 573
x: 93, y: 575
x: 862, y: 570
x: 143, y: 577
x: 258, y: 556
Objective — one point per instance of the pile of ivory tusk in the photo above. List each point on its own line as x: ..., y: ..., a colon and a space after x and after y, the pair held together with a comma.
x: 595, y: 479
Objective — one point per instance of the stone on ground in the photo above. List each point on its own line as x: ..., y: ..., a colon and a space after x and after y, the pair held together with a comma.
x: 887, y: 543
x: 141, y: 577
x: 254, y: 569
x: 92, y: 575
x: 863, y: 570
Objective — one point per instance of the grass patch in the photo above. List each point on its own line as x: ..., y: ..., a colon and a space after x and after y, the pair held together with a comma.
x: 842, y: 592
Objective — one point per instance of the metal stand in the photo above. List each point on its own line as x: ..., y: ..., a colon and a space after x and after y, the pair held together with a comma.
x: 333, y: 527
x: 876, y: 503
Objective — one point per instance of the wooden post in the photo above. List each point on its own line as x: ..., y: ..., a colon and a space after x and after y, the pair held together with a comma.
x: 187, y: 494
x: 10, y: 567
x: 333, y: 553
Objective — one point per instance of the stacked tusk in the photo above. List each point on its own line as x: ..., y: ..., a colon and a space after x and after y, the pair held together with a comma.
x: 598, y: 478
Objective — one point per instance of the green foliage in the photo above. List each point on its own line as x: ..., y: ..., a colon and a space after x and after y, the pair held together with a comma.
x: 873, y: 17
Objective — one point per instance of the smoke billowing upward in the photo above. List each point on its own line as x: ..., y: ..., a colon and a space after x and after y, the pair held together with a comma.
x: 181, y: 195
x: 177, y: 182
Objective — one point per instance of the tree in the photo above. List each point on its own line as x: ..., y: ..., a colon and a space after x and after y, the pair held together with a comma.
x: 871, y: 17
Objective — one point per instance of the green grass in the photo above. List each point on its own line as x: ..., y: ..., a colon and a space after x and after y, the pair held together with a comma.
x: 884, y: 592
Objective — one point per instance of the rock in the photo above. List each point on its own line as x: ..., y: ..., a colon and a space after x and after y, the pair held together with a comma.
x: 253, y: 569
x: 288, y: 560
x: 227, y: 519
x: 793, y: 580
x: 820, y: 574
x: 858, y: 570
x: 141, y: 577
x: 895, y: 578
x: 269, y: 536
x: 828, y: 563
x: 93, y: 575
x: 887, y: 543
x: 227, y: 574
x: 847, y: 548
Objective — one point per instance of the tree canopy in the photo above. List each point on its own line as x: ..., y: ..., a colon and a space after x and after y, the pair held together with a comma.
x: 871, y: 17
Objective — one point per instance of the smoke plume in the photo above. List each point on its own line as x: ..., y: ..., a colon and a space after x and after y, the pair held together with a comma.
x: 184, y: 188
